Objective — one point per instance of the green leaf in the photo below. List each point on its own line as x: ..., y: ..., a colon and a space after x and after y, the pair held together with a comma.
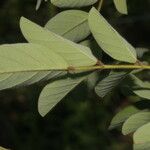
x: 107, y: 84
x: 142, y: 138
x: 74, y: 54
x: 12, y: 80
x: 122, y: 116
x: 73, y: 3
x: 29, y: 57
x: 38, y: 4
x: 135, y: 121
x: 71, y: 24
x: 141, y: 51
x: 139, y: 83
x: 143, y: 93
x: 24, y: 64
x: 54, y: 92
x: 109, y: 39
x: 140, y: 88
x: 121, y: 6
x: 145, y: 146
x: 2, y: 148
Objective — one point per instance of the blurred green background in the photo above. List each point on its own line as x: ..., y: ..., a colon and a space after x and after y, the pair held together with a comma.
x: 81, y: 120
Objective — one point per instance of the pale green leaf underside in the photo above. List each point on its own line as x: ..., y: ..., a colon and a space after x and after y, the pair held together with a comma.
x: 135, y: 121
x: 74, y: 54
x: 54, y: 92
x: 73, y: 3
x: 142, y: 137
x: 107, y: 84
x: 71, y: 24
x: 123, y: 115
x: 27, y: 78
x: 29, y: 57
x: 109, y: 39
x: 25, y: 64
x: 121, y: 6
x: 12, y: 80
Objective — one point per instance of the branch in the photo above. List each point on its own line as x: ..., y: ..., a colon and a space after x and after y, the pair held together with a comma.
x: 114, y: 67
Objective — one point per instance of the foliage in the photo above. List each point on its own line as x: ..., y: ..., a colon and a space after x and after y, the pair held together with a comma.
x: 55, y: 56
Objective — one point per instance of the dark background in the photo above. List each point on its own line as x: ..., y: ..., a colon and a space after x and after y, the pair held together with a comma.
x: 81, y: 120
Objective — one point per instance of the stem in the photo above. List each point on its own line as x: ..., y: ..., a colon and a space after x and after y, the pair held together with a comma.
x: 88, y: 68
x: 100, y: 5
x: 114, y: 67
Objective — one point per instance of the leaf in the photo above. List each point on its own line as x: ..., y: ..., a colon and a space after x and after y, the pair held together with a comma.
x: 12, y: 80
x: 107, y: 84
x: 71, y: 24
x: 22, y: 79
x: 38, y: 4
x: 109, y: 39
x: 74, y: 54
x: 54, y: 92
x: 145, y: 146
x: 142, y: 138
x: 20, y: 63
x: 140, y: 88
x: 135, y: 121
x: 141, y: 51
x: 73, y: 3
x: 139, y: 83
x: 121, y: 6
x: 29, y: 57
x: 144, y: 93
x: 2, y: 148
x: 122, y: 116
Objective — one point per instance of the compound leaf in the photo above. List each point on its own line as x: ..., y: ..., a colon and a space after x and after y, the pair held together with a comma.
x: 74, y: 54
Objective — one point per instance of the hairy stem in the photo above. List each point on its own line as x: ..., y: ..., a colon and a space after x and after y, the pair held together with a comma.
x: 114, y: 67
